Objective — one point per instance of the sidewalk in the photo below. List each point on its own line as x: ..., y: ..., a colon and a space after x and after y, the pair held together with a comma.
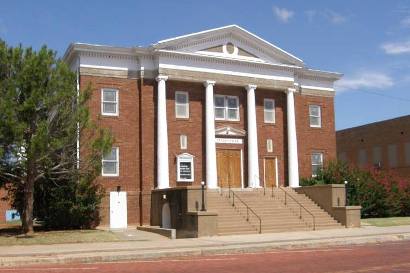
x: 155, y: 247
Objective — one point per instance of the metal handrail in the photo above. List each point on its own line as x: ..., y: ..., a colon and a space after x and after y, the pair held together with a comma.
x: 248, y: 209
x: 300, y: 207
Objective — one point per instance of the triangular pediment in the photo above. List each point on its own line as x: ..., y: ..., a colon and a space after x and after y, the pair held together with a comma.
x: 229, y: 131
x: 229, y: 42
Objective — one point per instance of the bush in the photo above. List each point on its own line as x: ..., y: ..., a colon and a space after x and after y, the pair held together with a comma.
x: 380, y: 193
x: 68, y: 204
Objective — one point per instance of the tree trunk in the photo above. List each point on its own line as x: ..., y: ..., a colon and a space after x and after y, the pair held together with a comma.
x: 27, y: 217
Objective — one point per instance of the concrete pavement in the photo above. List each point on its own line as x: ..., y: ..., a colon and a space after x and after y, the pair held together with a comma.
x: 156, y: 247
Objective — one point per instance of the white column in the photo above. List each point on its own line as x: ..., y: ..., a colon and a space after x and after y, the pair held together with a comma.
x: 293, y: 165
x: 162, y: 135
x: 211, y: 175
x: 253, y: 158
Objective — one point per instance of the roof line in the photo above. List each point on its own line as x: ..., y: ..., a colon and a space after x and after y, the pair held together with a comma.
x: 374, y: 123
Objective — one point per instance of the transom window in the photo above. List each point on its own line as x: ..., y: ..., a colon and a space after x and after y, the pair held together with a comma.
x: 181, y: 104
x: 109, y: 102
x: 315, y: 116
x: 317, y: 163
x: 110, y: 163
x: 226, y: 107
x: 269, y: 110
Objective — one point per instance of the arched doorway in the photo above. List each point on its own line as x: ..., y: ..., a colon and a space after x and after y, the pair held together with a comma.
x: 166, y: 216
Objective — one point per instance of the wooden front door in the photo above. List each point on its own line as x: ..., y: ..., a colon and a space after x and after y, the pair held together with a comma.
x: 270, y: 172
x: 229, y: 168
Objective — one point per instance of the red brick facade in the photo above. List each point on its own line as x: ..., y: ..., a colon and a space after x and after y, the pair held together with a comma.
x: 135, y: 135
x: 394, y: 133
x: 4, y: 206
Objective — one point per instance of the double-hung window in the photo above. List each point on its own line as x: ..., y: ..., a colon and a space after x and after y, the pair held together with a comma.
x: 315, y: 116
x: 226, y: 108
x: 110, y: 163
x: 317, y: 163
x: 269, y: 110
x: 109, y: 102
x: 181, y: 104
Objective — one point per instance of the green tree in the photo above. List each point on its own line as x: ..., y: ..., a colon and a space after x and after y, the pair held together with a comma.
x: 42, y: 116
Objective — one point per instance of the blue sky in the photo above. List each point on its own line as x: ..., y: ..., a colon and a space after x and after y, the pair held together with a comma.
x: 368, y: 41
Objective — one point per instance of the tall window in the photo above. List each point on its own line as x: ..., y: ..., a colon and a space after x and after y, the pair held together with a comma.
x: 269, y: 110
x: 315, y: 116
x: 226, y: 107
x: 317, y: 163
x: 110, y: 163
x: 109, y: 102
x: 181, y: 104
x: 392, y: 155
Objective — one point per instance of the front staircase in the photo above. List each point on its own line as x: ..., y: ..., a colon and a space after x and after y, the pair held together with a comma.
x: 265, y: 211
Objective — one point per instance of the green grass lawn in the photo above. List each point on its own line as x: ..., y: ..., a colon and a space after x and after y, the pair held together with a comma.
x: 9, y: 235
x: 386, y: 222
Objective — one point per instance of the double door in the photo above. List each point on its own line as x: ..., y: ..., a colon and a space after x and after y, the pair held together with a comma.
x: 229, y: 168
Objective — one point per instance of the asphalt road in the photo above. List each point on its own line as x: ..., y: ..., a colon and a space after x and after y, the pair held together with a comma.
x: 386, y: 258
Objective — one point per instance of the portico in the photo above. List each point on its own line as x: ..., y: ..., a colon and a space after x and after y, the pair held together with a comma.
x: 212, y: 156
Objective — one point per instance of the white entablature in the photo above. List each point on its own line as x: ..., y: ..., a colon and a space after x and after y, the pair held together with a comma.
x: 230, y: 51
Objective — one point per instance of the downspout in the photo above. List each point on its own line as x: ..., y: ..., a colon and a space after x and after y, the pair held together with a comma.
x: 78, y: 100
x: 141, y: 85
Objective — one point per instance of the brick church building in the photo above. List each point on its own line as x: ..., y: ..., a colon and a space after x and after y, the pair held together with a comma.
x: 222, y: 106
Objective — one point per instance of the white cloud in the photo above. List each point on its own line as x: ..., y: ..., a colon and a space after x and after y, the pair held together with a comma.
x: 334, y: 17
x: 282, y: 14
x: 364, y: 80
x: 396, y: 48
x: 328, y: 15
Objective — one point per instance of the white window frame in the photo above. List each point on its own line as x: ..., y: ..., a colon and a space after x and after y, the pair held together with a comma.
x: 183, y: 145
x: 219, y: 107
x: 269, y: 111
x: 117, y: 171
x: 185, y: 158
x: 269, y: 145
x: 226, y: 108
x: 312, y: 163
x: 116, y: 114
x: 183, y: 104
x: 319, y: 116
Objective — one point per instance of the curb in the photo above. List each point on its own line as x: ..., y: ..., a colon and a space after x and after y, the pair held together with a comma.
x: 151, y: 254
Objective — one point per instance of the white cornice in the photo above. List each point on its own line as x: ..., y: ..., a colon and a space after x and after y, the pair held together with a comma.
x: 222, y: 59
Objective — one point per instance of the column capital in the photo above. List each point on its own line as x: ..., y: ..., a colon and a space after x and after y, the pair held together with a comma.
x: 251, y: 86
x: 161, y: 78
x: 209, y: 82
x: 290, y: 90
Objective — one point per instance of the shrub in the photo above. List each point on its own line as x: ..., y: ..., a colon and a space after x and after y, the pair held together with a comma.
x: 380, y: 193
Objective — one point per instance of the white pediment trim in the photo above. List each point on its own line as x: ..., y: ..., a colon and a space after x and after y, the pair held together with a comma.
x: 185, y: 155
x: 245, y: 39
x: 229, y: 131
